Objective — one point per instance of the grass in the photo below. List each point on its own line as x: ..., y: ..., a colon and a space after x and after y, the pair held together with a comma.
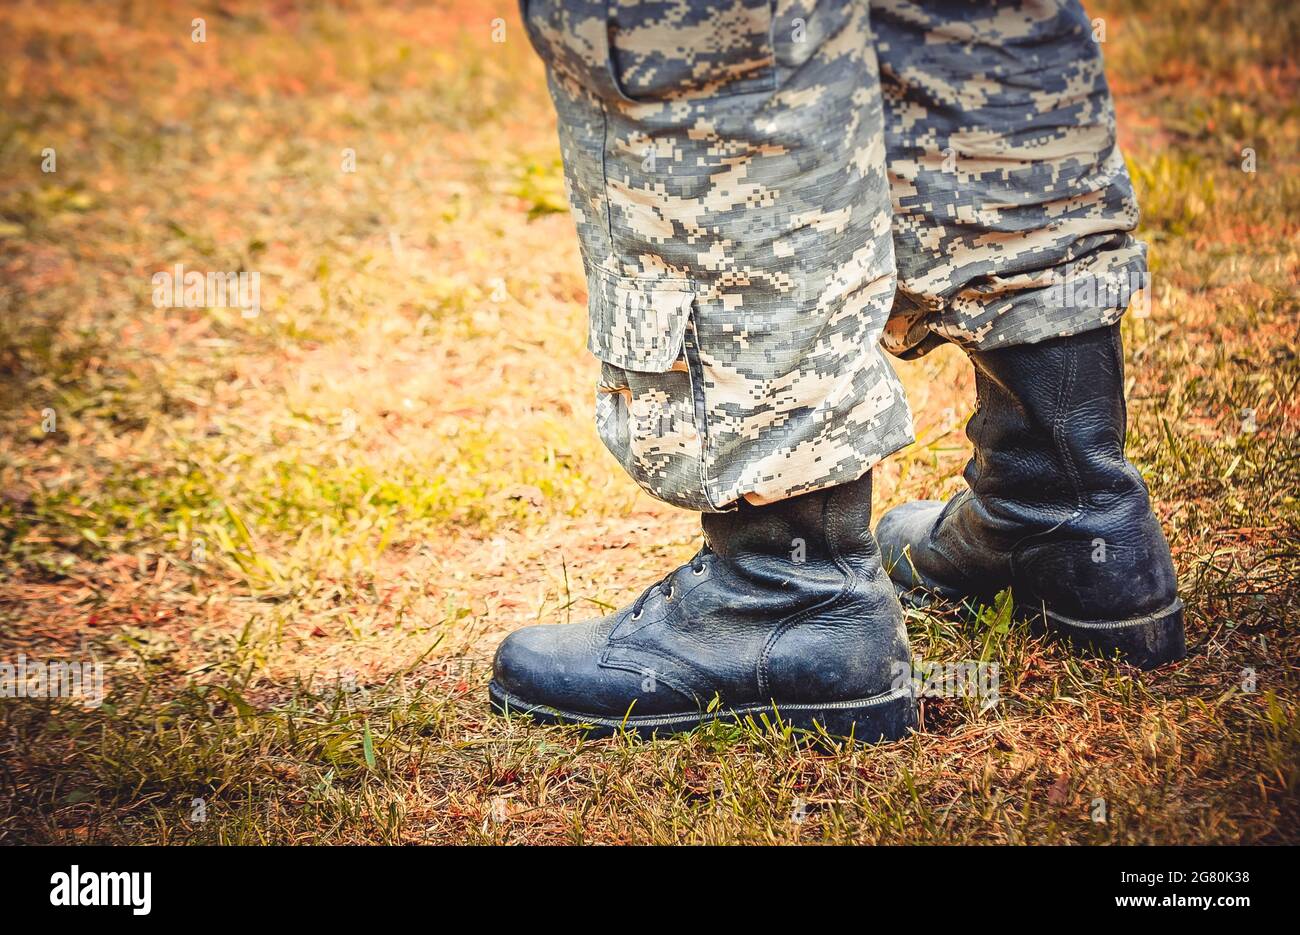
x: 294, y: 540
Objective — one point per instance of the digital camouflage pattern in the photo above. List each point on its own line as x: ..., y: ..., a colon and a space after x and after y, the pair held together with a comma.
x: 764, y: 192
x: 1005, y: 176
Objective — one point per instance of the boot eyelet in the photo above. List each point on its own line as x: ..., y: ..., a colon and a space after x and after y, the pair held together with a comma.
x: 637, y: 615
x: 668, y: 597
x: 697, y: 571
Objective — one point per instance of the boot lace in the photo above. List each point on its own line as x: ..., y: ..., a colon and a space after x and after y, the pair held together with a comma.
x: 665, y: 584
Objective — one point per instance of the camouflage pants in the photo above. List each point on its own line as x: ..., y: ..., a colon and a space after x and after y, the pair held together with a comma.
x: 769, y: 193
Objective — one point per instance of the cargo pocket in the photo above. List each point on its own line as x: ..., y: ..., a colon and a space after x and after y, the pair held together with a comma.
x: 706, y: 48
x: 637, y: 52
x: 646, y: 412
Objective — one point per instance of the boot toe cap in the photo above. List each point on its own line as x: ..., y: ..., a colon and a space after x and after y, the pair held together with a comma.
x: 536, y: 664
x: 900, y: 532
x: 559, y: 666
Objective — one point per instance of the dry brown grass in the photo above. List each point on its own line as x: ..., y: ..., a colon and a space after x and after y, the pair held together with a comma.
x: 393, y: 466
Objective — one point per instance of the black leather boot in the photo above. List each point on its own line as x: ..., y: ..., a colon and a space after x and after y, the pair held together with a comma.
x: 1054, y: 510
x: 786, y: 611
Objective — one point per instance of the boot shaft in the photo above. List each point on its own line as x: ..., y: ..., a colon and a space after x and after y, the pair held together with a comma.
x: 1049, y: 428
x: 826, y: 526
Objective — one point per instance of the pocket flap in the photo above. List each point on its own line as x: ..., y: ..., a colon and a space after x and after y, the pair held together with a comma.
x: 638, y: 325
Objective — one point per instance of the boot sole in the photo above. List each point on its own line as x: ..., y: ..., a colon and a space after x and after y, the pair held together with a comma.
x: 1147, y: 642
x: 877, y: 719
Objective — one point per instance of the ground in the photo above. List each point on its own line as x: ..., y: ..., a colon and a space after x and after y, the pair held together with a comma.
x: 293, y: 540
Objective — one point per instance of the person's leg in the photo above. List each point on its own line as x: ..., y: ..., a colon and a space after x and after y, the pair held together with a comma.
x: 725, y: 163
x: 726, y: 172
x: 1012, y: 226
